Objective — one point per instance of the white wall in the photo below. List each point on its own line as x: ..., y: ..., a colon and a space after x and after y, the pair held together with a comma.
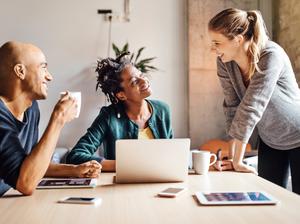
x: 72, y: 36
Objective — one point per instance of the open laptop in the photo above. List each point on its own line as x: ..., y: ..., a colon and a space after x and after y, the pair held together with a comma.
x: 154, y: 160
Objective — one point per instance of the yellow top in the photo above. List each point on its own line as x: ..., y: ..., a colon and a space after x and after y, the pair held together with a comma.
x: 145, y: 134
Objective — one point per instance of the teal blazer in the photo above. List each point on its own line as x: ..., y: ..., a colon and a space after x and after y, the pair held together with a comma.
x: 112, y: 124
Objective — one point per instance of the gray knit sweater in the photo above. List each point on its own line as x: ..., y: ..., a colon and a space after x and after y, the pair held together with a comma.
x: 271, y: 102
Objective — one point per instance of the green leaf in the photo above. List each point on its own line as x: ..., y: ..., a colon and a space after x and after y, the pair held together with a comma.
x: 132, y: 55
x: 138, y: 54
x: 125, y: 48
x: 144, y: 61
x: 116, y: 50
x: 141, y: 68
x: 151, y: 67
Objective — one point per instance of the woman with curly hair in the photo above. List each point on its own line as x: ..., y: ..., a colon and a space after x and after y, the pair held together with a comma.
x: 130, y: 115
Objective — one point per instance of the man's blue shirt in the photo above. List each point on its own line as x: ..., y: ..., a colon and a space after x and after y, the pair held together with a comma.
x: 17, y: 138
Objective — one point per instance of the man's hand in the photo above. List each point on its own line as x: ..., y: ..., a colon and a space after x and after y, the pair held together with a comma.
x: 65, y: 110
x: 89, y: 169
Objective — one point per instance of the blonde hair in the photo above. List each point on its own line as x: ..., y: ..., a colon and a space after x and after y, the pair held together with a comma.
x: 232, y: 22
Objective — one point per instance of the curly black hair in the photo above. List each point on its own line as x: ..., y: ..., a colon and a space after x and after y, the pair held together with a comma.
x: 109, y: 75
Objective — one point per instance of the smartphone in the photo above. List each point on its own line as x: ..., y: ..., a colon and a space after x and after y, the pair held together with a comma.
x: 171, y: 192
x: 80, y: 200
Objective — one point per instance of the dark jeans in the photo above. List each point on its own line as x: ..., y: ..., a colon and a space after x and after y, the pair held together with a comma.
x: 274, y: 164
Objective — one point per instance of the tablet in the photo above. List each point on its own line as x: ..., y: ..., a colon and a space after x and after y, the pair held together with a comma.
x: 48, y: 183
x: 235, y: 198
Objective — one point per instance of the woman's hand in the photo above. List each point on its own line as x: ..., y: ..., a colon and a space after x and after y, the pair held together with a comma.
x: 108, y: 165
x: 90, y: 169
x: 241, y: 167
x: 224, y: 165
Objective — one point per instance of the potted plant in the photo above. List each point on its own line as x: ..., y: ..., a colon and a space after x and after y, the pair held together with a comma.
x: 144, y: 65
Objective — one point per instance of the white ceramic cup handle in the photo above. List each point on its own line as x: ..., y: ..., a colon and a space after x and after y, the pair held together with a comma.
x: 215, y: 159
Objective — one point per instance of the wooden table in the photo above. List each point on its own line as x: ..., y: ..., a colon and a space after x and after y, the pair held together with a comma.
x: 138, y: 203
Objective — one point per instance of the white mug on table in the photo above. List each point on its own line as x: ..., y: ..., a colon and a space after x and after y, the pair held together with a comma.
x: 201, y: 161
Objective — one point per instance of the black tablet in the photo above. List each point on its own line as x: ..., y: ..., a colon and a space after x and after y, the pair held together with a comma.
x: 67, y: 183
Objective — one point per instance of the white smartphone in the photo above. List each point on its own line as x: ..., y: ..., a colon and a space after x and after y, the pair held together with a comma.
x: 171, y: 192
x: 80, y: 200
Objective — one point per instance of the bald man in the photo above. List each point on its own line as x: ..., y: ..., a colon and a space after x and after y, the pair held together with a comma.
x: 23, y: 159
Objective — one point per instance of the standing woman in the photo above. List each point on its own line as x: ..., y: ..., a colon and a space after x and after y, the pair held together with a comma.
x: 260, y: 90
x: 130, y: 115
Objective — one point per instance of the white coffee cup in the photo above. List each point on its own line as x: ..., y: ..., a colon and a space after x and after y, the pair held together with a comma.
x: 77, y: 97
x: 201, y: 161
